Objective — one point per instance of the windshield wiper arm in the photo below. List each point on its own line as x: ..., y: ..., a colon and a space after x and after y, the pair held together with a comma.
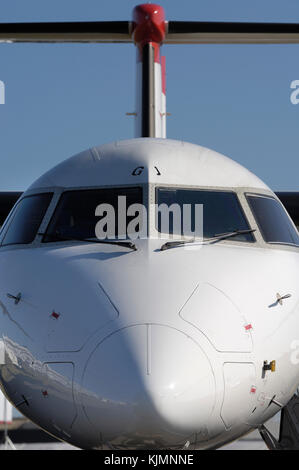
x: 61, y: 238
x: 175, y: 243
x: 220, y: 236
x: 233, y: 233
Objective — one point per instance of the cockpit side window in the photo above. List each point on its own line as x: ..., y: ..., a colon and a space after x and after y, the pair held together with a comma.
x: 272, y: 219
x: 222, y: 212
x: 26, y: 219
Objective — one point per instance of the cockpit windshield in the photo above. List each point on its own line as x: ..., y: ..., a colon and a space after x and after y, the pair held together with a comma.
x: 94, y: 213
x: 201, y: 212
x: 273, y: 221
x: 23, y: 223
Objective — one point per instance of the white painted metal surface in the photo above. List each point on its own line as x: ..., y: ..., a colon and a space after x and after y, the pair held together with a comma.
x: 179, y: 163
x: 5, y: 410
x: 149, y: 347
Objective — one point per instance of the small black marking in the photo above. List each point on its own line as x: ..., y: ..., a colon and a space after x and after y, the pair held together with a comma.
x: 138, y: 171
x: 24, y: 401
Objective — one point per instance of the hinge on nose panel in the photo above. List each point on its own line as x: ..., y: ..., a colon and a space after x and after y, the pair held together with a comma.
x: 16, y: 298
x: 280, y: 298
x: 23, y: 402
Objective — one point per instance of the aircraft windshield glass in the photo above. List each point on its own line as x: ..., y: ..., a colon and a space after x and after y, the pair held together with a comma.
x: 273, y: 221
x: 108, y: 213
x: 26, y: 219
x: 218, y: 212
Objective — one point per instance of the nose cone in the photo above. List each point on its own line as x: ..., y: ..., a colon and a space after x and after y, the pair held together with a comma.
x: 149, y: 385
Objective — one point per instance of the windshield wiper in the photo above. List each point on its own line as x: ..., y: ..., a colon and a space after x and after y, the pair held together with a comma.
x: 61, y: 238
x: 220, y: 236
x: 233, y: 233
x: 175, y: 243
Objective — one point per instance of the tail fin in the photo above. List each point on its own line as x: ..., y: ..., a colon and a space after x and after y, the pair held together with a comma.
x: 148, y: 34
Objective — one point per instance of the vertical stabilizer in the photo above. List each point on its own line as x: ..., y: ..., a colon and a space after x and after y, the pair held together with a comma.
x: 148, y: 34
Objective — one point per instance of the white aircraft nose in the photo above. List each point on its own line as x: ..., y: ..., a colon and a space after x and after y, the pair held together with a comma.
x: 149, y: 384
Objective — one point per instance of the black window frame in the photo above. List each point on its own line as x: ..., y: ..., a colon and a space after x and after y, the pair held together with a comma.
x: 229, y: 191
x: 11, y: 217
x: 268, y: 196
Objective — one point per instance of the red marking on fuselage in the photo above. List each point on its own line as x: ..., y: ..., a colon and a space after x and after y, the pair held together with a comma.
x: 55, y: 315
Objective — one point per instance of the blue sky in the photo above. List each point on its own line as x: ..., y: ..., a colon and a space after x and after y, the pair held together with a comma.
x: 62, y: 99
